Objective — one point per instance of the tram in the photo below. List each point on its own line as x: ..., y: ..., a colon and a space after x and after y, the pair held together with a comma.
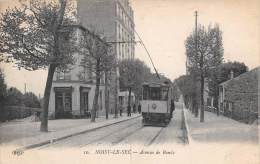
x: 155, y: 103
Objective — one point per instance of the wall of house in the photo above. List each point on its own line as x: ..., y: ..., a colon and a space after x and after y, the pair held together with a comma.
x: 241, y: 92
x: 76, y: 97
x: 75, y: 81
x: 98, y: 14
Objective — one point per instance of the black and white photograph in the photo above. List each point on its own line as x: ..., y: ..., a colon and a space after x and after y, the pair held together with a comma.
x: 129, y: 81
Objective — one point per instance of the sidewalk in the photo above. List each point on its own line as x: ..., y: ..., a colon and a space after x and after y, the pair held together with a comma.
x: 222, y: 140
x: 221, y: 129
x: 27, y: 133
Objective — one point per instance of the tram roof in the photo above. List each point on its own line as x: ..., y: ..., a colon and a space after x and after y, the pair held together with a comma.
x: 155, y: 84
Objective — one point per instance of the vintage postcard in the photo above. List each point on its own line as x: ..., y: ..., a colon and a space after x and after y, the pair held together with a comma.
x: 129, y: 81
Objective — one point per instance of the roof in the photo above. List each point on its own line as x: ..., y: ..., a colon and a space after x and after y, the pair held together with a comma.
x: 155, y: 84
x: 257, y: 69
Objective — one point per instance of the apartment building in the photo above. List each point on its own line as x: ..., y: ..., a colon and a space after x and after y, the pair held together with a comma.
x: 113, y: 18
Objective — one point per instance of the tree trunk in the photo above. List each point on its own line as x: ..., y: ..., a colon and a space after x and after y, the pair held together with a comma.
x: 202, y: 98
x: 95, y: 101
x: 47, y: 92
x: 52, y: 67
x: 192, y: 105
x: 129, y: 98
x: 106, y: 94
x: 195, y: 101
x: 116, y: 92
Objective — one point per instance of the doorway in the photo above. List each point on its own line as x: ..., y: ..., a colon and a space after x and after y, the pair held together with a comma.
x: 84, y: 101
x: 63, y: 103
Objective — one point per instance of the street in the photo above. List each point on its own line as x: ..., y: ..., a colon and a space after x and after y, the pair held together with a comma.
x: 126, y: 133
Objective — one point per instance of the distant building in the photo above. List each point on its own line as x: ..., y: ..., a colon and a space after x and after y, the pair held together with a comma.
x: 123, y: 99
x: 115, y: 18
x: 238, y: 97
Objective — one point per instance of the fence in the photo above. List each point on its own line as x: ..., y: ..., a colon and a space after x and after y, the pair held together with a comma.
x: 18, y: 112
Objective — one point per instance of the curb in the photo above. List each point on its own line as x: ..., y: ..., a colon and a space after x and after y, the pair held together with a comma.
x: 49, y: 141
x: 185, y: 127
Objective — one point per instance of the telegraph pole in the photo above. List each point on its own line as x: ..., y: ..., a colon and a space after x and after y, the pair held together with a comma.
x: 196, y: 24
x: 24, y: 88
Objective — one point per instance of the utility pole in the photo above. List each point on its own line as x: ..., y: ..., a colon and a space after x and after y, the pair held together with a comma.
x: 24, y: 88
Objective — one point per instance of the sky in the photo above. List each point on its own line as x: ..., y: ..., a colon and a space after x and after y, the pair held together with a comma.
x: 164, y: 25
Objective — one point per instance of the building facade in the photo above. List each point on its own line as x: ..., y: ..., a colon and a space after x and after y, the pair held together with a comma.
x: 238, y: 97
x: 73, y: 90
x: 113, y: 18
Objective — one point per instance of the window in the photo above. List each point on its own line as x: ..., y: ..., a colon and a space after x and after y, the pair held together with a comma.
x: 155, y: 94
x: 63, y: 75
x: 123, y: 51
x: 119, y: 32
x: 121, y: 102
x: 164, y: 93
x: 145, y: 93
x: 117, y: 10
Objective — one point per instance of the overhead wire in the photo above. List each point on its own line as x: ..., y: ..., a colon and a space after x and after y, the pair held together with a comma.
x: 142, y: 43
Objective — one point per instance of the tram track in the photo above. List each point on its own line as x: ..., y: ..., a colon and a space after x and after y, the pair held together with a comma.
x: 155, y: 137
x: 126, y: 134
x: 92, y: 132
x: 110, y: 134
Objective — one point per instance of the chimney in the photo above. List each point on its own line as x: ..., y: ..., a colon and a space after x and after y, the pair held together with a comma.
x: 231, y: 74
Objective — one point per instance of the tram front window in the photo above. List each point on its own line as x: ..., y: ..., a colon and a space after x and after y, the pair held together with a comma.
x: 164, y: 93
x: 155, y: 94
x: 146, y: 93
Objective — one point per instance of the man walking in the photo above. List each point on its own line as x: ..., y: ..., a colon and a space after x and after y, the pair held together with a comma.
x: 128, y: 110
x: 139, y: 108
x: 172, y: 107
x: 134, y: 108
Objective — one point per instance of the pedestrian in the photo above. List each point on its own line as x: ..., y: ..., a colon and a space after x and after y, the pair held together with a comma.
x: 139, y: 108
x: 128, y: 110
x: 134, y: 108
x: 172, y: 107
x: 120, y: 110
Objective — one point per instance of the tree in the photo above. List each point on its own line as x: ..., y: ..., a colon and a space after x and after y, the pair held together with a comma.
x: 14, y: 97
x: 189, y: 89
x: 2, y: 94
x: 98, y: 59
x: 204, y: 49
x: 32, y: 37
x: 2, y: 87
x: 31, y: 100
x: 176, y: 91
x: 222, y: 73
x: 224, y: 70
x: 133, y: 73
